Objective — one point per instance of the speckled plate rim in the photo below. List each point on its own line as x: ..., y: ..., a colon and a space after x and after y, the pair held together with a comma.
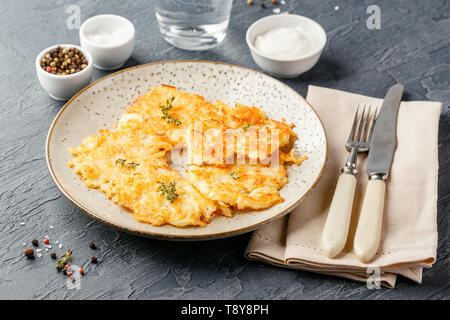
x: 196, y: 237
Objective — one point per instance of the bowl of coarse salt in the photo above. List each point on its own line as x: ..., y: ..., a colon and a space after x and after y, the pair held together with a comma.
x: 109, y: 38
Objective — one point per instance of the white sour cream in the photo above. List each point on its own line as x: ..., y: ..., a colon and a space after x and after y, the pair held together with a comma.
x: 286, y: 43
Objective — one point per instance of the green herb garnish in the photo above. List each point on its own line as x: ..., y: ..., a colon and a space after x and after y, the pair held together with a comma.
x: 246, y: 126
x: 131, y: 165
x: 166, y: 107
x: 63, y: 260
x: 123, y: 163
x: 234, y: 175
x: 168, y: 191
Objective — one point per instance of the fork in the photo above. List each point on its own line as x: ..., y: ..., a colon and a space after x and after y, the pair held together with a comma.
x: 335, y: 232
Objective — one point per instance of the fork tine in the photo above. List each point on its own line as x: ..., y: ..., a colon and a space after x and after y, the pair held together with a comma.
x: 361, y: 121
x: 352, y: 132
x: 366, y: 127
x: 372, y: 126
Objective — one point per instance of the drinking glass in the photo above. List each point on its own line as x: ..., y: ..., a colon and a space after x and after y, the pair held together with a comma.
x: 193, y: 24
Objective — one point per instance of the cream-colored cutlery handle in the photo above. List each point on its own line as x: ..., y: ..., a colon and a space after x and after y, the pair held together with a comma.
x: 367, y: 236
x: 335, y: 233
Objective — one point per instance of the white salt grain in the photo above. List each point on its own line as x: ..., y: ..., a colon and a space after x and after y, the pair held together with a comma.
x: 276, y: 10
x: 60, y: 245
x: 51, y: 227
x: 109, y: 37
x: 39, y: 255
x: 38, y: 250
x: 283, y: 2
x: 22, y: 223
x: 56, y: 241
x: 336, y: 8
x: 48, y: 246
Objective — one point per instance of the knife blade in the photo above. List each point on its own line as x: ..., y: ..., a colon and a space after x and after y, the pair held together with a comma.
x: 382, y: 148
x: 384, y: 139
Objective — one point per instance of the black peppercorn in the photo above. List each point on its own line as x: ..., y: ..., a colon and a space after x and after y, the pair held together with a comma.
x: 94, y: 259
x: 35, y: 242
x: 92, y: 245
x: 53, y: 255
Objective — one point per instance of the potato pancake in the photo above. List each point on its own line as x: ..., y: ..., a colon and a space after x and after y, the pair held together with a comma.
x: 129, y: 164
x: 240, y: 186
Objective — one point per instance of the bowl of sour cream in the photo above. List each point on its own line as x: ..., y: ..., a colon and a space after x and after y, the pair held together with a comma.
x: 286, y: 45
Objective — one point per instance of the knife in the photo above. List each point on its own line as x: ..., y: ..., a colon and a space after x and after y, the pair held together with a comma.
x: 382, y: 148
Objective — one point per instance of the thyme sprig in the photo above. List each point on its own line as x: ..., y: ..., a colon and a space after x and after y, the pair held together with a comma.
x: 246, y: 126
x: 166, y: 107
x: 168, y: 191
x: 123, y: 163
x: 234, y: 175
x: 67, y: 257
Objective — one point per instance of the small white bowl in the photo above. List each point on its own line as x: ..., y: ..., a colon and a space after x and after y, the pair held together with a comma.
x: 108, y: 56
x: 63, y: 87
x: 285, y: 68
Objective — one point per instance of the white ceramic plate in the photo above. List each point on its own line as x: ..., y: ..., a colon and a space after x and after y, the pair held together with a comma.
x: 100, y: 105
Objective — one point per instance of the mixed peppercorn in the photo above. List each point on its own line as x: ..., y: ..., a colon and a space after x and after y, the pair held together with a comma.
x: 262, y: 3
x: 29, y: 253
x: 64, y: 61
x: 63, y: 263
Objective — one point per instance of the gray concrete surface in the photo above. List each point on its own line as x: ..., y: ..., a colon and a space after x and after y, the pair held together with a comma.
x: 411, y: 47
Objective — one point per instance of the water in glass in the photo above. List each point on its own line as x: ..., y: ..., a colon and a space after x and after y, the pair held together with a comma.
x: 193, y: 24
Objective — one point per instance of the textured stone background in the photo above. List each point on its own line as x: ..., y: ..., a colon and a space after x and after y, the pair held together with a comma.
x: 412, y: 47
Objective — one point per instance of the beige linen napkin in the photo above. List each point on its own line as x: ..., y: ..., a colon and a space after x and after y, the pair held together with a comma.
x: 409, y: 232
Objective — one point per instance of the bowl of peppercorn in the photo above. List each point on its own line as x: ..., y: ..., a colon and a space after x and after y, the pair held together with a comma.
x: 63, y: 70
